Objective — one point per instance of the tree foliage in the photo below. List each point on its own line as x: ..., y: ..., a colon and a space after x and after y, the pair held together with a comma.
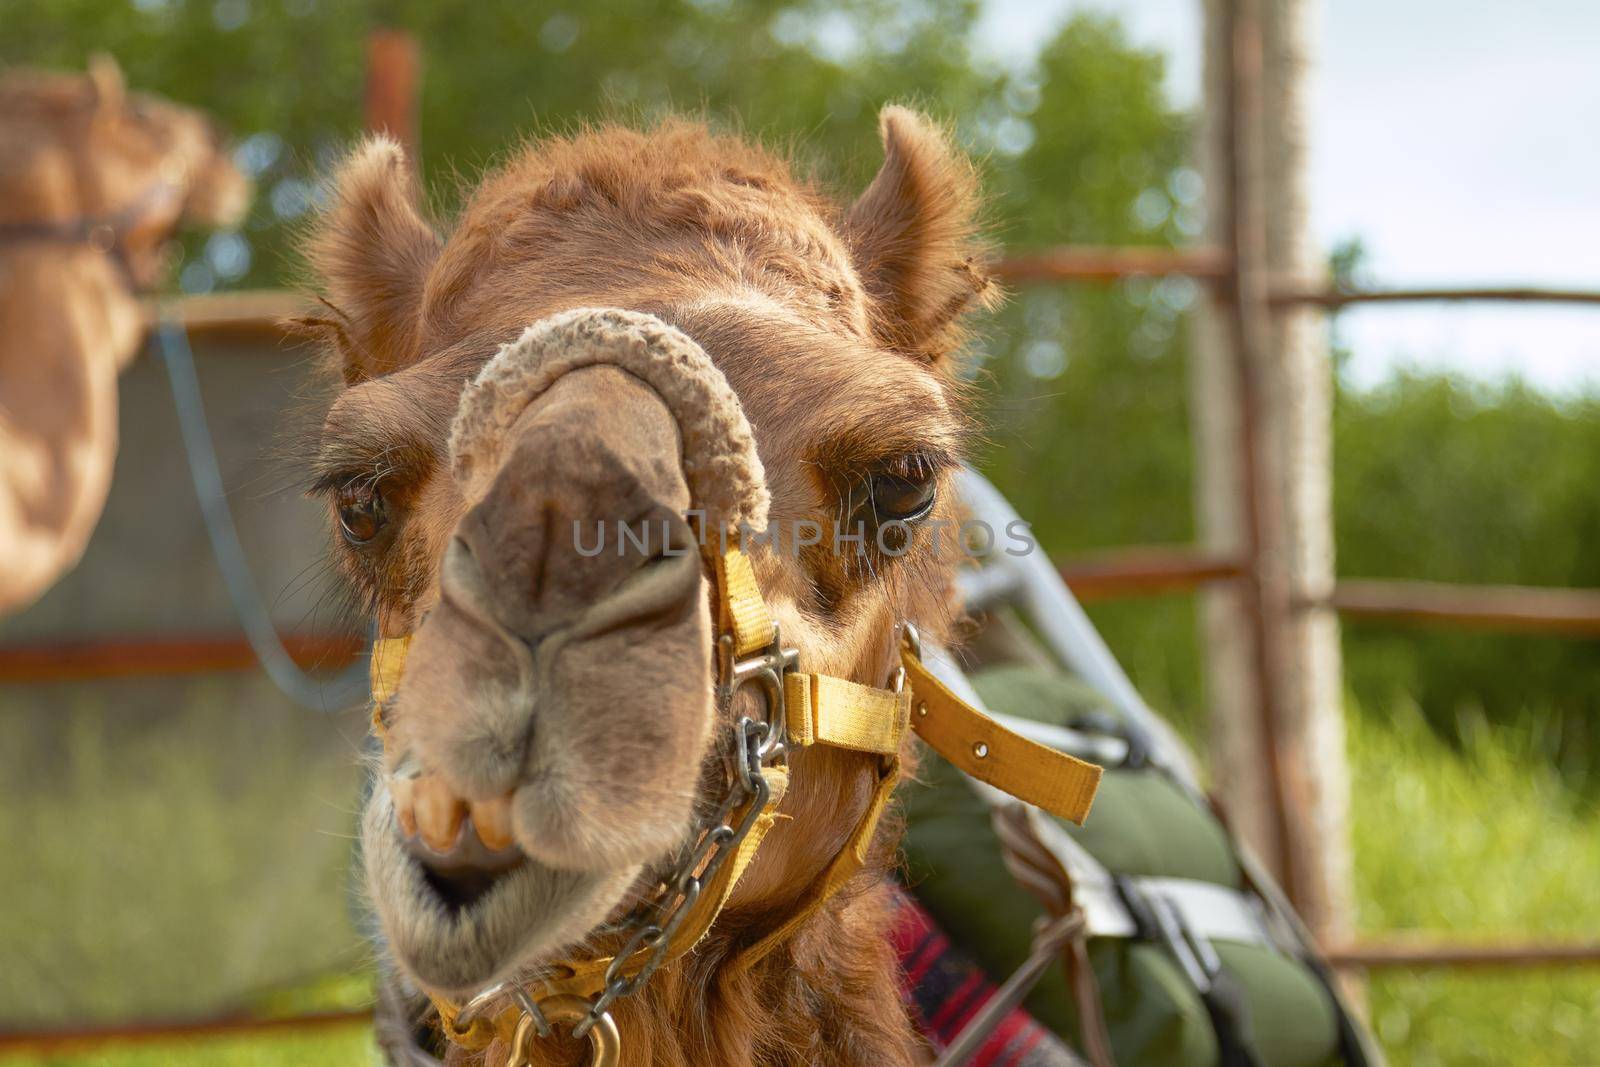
x: 1444, y: 479
x: 286, y: 76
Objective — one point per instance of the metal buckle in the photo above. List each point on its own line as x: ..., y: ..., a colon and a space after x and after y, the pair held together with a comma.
x: 910, y: 637
x: 1193, y: 953
x: 765, y: 669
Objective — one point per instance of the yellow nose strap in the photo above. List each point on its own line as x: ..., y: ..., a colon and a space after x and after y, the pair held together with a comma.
x: 742, y: 610
x: 823, y: 710
x: 388, y: 662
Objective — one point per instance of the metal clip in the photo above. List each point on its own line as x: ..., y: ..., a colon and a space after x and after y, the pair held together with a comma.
x: 911, y: 636
x: 1194, y: 953
x: 530, y: 1010
x: 766, y: 670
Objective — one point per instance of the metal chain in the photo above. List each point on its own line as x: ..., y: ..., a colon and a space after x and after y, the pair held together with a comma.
x: 656, y: 921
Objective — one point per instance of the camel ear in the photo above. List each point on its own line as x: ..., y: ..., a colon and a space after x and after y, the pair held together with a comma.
x: 372, y: 251
x: 105, y: 78
x: 913, y: 236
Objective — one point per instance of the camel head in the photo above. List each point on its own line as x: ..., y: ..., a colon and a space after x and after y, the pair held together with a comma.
x: 554, y: 739
x: 82, y: 147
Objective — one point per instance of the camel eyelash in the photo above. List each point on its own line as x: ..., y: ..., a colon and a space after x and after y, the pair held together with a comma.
x: 339, y: 480
x: 394, y: 467
x: 918, y: 464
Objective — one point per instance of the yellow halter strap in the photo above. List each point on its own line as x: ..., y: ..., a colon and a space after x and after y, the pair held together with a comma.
x: 810, y: 709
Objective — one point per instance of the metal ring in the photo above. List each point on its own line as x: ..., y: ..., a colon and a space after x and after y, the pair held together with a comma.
x: 605, y: 1042
x: 521, y: 1043
x: 102, y: 237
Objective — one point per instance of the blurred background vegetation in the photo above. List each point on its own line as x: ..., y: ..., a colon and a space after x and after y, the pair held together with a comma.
x: 1436, y: 476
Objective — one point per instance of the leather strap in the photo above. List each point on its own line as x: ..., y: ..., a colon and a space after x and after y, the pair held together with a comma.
x: 1040, y: 871
x: 844, y: 866
x: 384, y: 667
x: 978, y: 745
x: 822, y: 710
x: 741, y: 609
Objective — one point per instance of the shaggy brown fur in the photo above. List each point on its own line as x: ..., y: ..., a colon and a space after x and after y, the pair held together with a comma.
x: 75, y: 147
x: 837, y: 330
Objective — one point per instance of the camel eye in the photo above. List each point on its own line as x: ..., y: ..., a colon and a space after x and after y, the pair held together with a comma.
x: 361, y: 513
x: 902, y: 496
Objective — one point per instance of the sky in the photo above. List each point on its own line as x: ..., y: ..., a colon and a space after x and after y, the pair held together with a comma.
x: 1459, y: 140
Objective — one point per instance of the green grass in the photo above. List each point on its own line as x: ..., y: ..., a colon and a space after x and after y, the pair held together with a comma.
x: 342, y: 1048
x: 337, y: 1045
x: 1477, y: 842
x: 170, y: 850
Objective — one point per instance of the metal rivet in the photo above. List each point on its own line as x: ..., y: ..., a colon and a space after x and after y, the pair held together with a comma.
x: 980, y: 750
x: 922, y: 709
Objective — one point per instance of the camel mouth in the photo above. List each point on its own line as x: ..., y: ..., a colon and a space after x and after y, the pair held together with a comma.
x: 471, y: 860
x: 457, y: 929
x: 461, y: 889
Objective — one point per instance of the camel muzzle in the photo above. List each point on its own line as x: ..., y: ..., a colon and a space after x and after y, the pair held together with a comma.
x: 558, y: 702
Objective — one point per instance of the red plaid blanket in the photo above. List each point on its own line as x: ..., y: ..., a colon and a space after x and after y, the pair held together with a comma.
x: 945, y: 989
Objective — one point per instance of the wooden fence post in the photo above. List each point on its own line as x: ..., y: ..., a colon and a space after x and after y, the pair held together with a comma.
x: 394, y: 80
x: 1262, y: 410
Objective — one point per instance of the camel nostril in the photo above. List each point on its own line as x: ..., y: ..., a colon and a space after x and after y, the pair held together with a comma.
x: 461, y: 581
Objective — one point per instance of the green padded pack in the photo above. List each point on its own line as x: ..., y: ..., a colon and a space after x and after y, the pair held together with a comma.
x: 1142, y: 825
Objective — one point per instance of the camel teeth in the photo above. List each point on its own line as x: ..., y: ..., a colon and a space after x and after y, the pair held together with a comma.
x: 492, y: 820
x: 439, y: 813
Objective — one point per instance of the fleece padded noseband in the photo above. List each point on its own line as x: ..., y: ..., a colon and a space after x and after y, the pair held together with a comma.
x: 720, y: 462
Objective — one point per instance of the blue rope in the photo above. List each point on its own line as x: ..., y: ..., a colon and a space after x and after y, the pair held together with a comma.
x: 300, y: 687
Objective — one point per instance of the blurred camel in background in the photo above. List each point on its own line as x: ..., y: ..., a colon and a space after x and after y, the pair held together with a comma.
x: 93, y: 183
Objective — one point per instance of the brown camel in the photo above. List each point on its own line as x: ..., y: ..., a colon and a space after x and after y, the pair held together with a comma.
x: 93, y: 182
x: 555, y: 740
